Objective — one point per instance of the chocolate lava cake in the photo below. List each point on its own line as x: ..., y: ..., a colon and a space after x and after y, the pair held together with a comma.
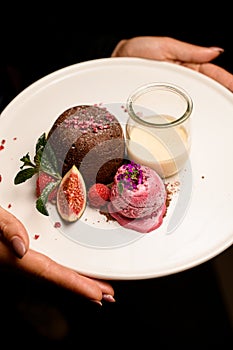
x: 90, y: 137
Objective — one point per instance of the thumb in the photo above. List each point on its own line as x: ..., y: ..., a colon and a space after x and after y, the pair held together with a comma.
x: 13, y: 233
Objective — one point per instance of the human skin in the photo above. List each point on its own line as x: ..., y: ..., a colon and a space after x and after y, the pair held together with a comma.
x: 175, y: 51
x: 15, y: 252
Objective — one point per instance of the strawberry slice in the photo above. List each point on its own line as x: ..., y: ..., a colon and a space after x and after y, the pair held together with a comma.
x: 41, y: 182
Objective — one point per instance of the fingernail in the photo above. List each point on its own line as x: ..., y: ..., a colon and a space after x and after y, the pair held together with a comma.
x: 219, y: 49
x: 96, y: 302
x: 18, y: 247
x: 108, y: 297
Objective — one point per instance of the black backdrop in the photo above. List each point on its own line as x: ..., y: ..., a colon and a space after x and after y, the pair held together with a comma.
x: 37, y: 39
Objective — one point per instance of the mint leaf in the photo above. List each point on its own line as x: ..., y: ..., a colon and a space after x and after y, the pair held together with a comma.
x: 40, y: 206
x: 44, y: 160
x: 43, y: 199
x: 40, y: 145
x: 24, y: 175
x: 48, y: 162
x: 120, y: 187
x: 41, y: 142
x: 26, y: 161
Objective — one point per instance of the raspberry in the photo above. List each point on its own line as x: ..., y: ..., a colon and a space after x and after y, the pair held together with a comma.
x: 98, y: 195
x: 42, y: 180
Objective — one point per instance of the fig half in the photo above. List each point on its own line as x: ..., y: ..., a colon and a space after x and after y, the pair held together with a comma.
x: 71, y: 195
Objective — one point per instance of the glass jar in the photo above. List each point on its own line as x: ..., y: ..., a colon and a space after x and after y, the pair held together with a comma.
x: 158, y: 128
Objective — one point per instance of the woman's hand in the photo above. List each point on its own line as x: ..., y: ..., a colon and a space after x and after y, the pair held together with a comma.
x: 14, y: 251
x: 171, y: 50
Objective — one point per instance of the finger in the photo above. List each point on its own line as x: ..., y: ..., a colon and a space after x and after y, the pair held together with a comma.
x: 105, y: 287
x: 117, y: 50
x: 13, y: 233
x: 217, y: 73
x: 185, y: 52
x: 46, y: 268
x: 165, y: 49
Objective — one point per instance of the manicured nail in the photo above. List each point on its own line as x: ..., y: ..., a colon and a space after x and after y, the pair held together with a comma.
x: 96, y: 302
x: 18, y: 247
x: 108, y: 297
x: 219, y: 49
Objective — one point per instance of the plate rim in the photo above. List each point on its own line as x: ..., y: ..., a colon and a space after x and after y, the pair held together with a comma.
x: 50, y: 78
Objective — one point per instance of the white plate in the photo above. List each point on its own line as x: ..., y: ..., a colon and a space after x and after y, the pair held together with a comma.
x: 199, y: 221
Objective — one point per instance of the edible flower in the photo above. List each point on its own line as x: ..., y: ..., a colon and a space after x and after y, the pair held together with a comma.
x: 131, y: 177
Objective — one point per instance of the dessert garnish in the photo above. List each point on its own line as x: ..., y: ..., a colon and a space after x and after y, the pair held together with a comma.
x: 98, y: 195
x: 44, y: 164
x: 131, y: 177
x: 71, y: 195
x: 138, y: 198
x: 68, y: 192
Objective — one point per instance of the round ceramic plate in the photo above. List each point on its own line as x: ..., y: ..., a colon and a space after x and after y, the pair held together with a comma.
x: 198, y: 224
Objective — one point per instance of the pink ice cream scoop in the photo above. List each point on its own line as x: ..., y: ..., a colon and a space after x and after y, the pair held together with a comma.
x: 138, y: 198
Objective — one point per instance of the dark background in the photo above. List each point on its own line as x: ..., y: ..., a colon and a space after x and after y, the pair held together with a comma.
x: 183, y: 310
x: 37, y: 39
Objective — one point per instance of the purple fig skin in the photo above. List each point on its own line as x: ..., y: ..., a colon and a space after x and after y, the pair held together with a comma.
x: 71, y: 195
